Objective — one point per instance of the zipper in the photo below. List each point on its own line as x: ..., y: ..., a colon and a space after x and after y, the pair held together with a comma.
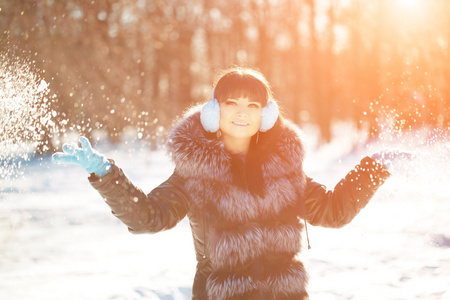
x: 307, y: 236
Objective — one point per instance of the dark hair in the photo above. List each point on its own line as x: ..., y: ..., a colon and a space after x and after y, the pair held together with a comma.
x: 238, y: 82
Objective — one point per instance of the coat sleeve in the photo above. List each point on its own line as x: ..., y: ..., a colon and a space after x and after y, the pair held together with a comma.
x: 161, y: 209
x: 338, y: 207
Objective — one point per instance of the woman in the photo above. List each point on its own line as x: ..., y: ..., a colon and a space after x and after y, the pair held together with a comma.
x: 239, y: 178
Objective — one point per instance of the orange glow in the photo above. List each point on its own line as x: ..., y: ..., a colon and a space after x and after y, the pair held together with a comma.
x: 410, y: 6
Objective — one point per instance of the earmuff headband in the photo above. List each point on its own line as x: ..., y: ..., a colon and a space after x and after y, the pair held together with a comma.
x: 210, y: 115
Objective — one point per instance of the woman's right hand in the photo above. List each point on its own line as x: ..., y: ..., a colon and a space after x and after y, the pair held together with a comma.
x: 86, y: 157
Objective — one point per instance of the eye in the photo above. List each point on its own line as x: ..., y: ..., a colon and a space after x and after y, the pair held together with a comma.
x: 254, y: 105
x: 230, y: 102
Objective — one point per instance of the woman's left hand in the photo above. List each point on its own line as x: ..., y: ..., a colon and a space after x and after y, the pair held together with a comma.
x: 391, y: 158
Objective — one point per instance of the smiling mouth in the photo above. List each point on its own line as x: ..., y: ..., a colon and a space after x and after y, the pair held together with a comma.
x: 240, y: 123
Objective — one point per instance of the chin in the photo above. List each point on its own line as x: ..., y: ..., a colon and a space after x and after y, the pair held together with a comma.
x: 243, y: 135
x: 239, y: 132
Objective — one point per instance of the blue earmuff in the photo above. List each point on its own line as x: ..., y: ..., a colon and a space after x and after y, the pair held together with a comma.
x: 269, y: 116
x: 210, y: 115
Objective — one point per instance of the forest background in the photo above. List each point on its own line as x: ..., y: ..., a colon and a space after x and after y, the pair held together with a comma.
x: 122, y: 64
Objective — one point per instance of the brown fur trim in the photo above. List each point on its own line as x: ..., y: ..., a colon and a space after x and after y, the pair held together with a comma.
x: 290, y: 281
x: 224, y: 287
x: 197, y: 155
x: 194, y: 154
x: 237, y: 205
x: 233, y: 204
x: 243, y: 245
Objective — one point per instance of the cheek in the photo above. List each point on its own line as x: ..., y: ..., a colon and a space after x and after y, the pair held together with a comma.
x: 225, y: 110
x: 223, y: 113
x: 224, y: 116
x: 256, y: 116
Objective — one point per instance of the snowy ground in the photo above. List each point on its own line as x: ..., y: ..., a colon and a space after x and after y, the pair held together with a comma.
x: 58, y: 239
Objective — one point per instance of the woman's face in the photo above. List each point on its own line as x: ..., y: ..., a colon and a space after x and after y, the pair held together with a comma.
x: 240, y: 117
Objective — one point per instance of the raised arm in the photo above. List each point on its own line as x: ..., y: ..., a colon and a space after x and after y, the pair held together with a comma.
x: 161, y: 209
x: 336, y: 208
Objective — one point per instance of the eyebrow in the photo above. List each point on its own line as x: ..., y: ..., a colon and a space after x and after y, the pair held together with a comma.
x: 250, y: 102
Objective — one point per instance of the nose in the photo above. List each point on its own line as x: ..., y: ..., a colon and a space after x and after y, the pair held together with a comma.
x: 242, y: 112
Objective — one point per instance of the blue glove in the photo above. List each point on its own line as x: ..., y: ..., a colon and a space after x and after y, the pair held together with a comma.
x: 86, y: 157
x: 389, y: 158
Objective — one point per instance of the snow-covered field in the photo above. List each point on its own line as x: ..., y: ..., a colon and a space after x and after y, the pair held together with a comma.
x: 58, y: 239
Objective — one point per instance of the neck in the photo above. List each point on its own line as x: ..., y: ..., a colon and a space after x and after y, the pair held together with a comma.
x: 236, y: 145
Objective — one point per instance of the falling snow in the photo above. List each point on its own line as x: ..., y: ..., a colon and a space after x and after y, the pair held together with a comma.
x: 25, y: 113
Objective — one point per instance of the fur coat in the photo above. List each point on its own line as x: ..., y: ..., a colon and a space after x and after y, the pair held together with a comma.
x: 246, y: 245
x: 251, y: 241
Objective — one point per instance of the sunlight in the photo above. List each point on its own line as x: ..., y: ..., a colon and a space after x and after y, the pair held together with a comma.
x: 410, y: 5
x: 410, y: 13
